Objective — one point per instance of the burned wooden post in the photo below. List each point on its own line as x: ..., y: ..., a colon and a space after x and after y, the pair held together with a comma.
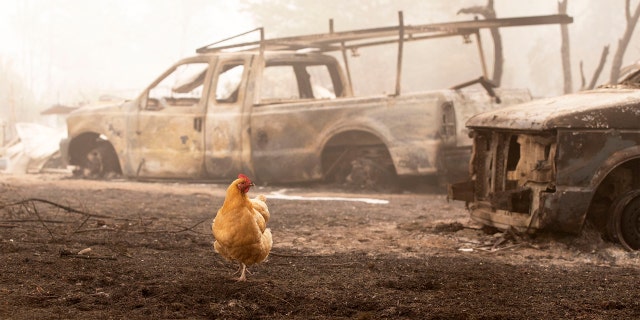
x: 623, y: 42
x: 565, y: 49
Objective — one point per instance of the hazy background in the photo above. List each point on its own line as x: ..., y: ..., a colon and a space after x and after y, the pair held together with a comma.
x: 72, y: 51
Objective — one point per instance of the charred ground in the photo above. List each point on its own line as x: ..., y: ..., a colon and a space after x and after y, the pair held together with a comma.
x: 418, y: 256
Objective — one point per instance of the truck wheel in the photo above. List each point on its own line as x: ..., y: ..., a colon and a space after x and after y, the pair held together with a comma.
x: 100, y: 162
x: 367, y: 168
x: 624, y: 220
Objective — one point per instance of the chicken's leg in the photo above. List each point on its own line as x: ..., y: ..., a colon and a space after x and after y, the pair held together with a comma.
x: 243, y: 277
x: 240, y: 264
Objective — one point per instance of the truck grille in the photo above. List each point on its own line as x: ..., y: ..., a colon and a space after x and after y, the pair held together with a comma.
x: 507, y: 165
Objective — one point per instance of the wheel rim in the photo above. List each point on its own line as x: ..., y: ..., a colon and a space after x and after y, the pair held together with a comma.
x: 630, y: 223
x: 624, y: 223
x: 362, y: 167
x: 94, y: 166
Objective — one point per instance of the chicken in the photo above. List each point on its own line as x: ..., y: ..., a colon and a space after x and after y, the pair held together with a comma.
x: 240, y: 226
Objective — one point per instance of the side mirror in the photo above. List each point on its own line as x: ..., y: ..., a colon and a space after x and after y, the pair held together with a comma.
x: 154, y: 104
x: 151, y: 104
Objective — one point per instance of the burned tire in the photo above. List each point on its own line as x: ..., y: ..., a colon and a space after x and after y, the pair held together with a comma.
x: 101, y: 162
x: 623, y: 225
x: 360, y: 167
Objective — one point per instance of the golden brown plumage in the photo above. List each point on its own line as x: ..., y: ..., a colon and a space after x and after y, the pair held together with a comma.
x: 240, y: 226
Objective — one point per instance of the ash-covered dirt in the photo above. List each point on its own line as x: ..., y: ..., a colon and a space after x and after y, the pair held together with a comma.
x: 146, y: 253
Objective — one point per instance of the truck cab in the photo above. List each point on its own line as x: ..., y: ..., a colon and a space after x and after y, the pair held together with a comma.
x: 195, y: 120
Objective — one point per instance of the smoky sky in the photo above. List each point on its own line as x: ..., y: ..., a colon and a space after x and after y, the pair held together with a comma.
x: 66, y: 51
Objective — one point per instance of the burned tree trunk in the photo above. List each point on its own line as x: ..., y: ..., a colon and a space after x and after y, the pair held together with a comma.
x: 624, y: 42
x: 488, y: 12
x: 565, y: 50
x: 596, y: 74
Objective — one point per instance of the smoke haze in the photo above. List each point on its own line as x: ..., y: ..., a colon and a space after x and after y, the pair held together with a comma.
x: 71, y: 51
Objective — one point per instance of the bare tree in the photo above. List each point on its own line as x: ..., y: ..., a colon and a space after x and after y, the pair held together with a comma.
x: 488, y: 12
x: 624, y: 41
x: 596, y: 74
x: 565, y: 49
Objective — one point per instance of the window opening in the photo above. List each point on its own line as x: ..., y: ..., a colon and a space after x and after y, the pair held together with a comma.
x: 228, y: 84
x: 181, y: 88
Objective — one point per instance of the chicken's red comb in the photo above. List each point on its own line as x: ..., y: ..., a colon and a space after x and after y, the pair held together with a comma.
x: 242, y: 176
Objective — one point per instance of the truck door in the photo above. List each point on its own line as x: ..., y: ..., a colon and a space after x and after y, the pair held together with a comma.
x: 228, y: 149
x: 168, y: 132
x: 293, y: 111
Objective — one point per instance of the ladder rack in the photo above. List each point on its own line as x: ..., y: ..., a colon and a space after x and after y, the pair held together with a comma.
x: 352, y: 40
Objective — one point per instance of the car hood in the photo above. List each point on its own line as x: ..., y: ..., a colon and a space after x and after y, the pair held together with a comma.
x: 596, y: 109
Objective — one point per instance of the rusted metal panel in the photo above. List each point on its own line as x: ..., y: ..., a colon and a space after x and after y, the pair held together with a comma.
x: 293, y: 135
x: 513, y: 200
x: 108, y: 121
x: 583, y: 152
x: 483, y: 213
x: 559, y: 211
x: 167, y: 146
x: 461, y: 191
x: 563, y: 210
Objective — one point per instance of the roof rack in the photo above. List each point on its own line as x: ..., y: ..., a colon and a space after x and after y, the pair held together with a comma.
x: 352, y: 40
x: 335, y: 41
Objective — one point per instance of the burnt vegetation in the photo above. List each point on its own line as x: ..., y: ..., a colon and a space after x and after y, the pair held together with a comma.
x: 145, y: 251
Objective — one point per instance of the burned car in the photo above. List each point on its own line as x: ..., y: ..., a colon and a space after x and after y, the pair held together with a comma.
x: 559, y: 163
x: 283, y: 110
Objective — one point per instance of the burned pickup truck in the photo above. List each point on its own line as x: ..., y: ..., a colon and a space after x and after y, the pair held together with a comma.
x: 560, y: 163
x: 283, y: 110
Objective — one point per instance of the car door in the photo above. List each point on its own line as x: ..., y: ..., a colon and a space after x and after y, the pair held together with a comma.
x: 295, y: 108
x: 168, y: 132
x: 228, y: 151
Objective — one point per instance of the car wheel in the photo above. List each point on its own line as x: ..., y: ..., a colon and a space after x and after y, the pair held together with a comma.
x: 367, y: 168
x: 100, y: 162
x: 624, y: 220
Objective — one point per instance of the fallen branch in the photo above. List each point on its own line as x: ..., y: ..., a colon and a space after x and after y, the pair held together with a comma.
x: 287, y: 255
x: 496, y: 249
x: 67, y: 208
x: 82, y: 224
x: 294, y: 255
x: 184, y: 229
x: 191, y: 228
x: 94, y: 229
x: 7, y: 225
x: 31, y: 220
x: 35, y: 211
x: 346, y: 264
x: 67, y: 253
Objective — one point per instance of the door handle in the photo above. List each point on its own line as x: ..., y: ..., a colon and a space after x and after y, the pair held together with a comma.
x: 197, y: 124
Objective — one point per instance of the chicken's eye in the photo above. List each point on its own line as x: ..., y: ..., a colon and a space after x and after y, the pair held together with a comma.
x: 243, y: 186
